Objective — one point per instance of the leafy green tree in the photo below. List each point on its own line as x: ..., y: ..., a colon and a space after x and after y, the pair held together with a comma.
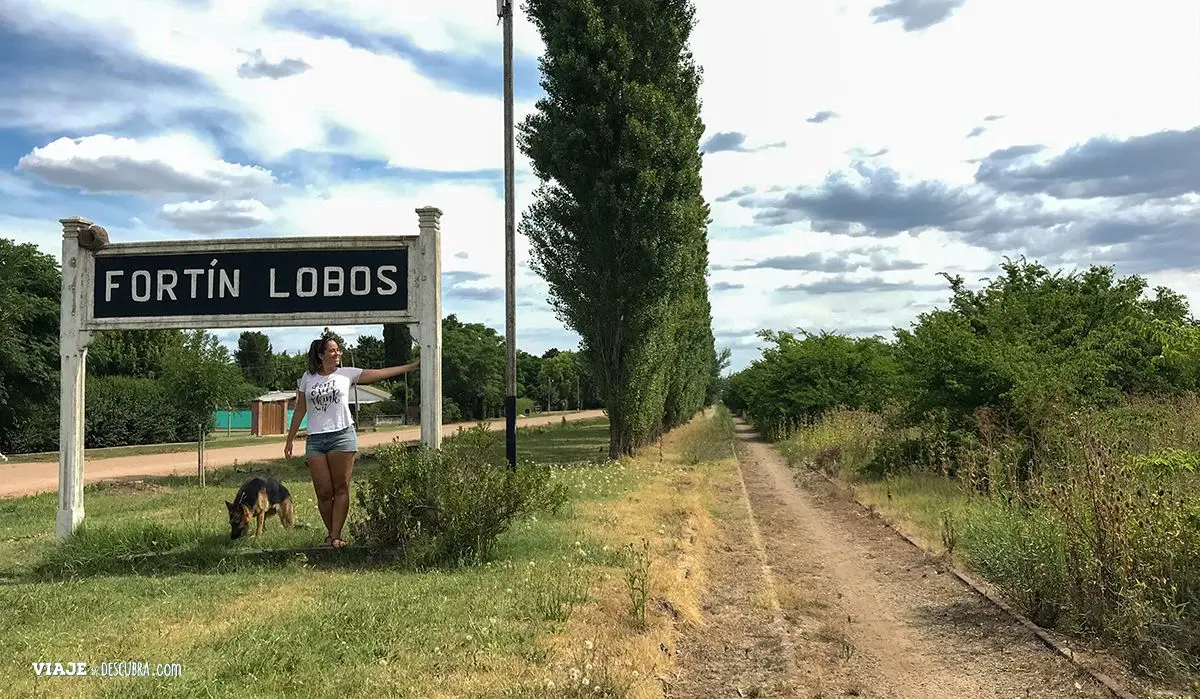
x: 561, y: 377
x: 201, y: 377
x: 1031, y: 346
x: 528, y: 371
x: 716, y: 379
x: 123, y: 410
x: 397, y: 344
x: 472, y: 367
x: 800, y: 378
x: 132, y: 353
x: 286, y: 370
x: 30, y: 295
x: 617, y: 225
x: 253, y: 356
x: 369, y: 352
x: 1032, y: 342
x: 693, y: 342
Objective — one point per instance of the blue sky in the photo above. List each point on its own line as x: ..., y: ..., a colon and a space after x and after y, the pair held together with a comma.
x: 854, y: 148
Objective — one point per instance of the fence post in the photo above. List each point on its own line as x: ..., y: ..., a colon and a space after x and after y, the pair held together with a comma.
x: 429, y: 257
x: 73, y: 344
x: 200, y: 454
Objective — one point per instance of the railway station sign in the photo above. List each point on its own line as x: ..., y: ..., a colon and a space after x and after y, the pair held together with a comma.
x: 241, y: 283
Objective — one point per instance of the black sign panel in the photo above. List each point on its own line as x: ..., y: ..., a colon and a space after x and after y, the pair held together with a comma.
x: 253, y: 282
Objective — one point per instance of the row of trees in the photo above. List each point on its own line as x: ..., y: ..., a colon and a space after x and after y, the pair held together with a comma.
x: 162, y: 385
x: 1029, y: 346
x: 618, y: 227
x: 142, y: 385
x: 473, y: 369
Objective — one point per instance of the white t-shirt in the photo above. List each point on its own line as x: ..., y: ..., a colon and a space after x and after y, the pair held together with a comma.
x: 327, y: 399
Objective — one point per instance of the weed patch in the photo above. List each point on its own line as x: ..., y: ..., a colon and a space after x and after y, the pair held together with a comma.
x: 637, y: 581
x: 1094, y: 530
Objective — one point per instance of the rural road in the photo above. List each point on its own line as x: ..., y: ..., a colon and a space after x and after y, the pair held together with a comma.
x: 810, y: 596
x: 28, y: 478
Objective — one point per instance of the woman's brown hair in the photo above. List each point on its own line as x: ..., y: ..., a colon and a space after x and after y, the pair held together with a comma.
x: 315, y: 350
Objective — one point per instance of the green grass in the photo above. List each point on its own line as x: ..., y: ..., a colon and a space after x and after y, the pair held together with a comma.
x: 564, y: 443
x: 920, y: 502
x: 285, y: 624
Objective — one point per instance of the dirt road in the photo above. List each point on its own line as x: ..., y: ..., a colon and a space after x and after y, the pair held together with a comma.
x: 27, y: 478
x: 811, y: 597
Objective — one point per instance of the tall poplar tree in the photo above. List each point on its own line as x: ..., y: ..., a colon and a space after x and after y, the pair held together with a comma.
x: 618, y: 225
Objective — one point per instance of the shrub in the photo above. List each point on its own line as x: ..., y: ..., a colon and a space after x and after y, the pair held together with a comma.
x: 451, y: 413
x: 1131, y: 528
x: 451, y: 505
x: 123, y: 410
x: 524, y: 405
x: 841, y: 441
x: 1023, y: 552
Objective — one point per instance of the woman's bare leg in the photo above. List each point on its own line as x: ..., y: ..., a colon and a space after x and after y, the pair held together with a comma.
x: 319, y: 469
x: 341, y: 466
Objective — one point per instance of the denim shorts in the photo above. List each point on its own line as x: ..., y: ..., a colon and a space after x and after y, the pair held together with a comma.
x: 321, y: 444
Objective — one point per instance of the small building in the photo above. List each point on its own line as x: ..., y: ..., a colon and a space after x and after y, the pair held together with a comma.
x: 271, y: 413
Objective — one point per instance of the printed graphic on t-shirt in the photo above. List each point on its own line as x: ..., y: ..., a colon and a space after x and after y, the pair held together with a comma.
x: 324, y: 395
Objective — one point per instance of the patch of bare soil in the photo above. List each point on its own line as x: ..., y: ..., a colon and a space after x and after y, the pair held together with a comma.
x: 863, y: 612
x: 742, y: 648
x: 128, y: 486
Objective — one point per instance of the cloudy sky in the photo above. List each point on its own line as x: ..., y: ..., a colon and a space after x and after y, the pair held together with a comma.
x: 855, y: 148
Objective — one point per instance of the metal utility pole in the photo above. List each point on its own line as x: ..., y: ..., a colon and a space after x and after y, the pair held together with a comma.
x: 505, y: 10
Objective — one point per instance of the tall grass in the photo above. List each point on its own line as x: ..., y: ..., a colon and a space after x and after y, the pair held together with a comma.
x: 842, y: 441
x: 709, y: 439
x: 1093, y: 527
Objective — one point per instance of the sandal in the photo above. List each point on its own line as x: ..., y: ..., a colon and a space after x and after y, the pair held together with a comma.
x: 328, y: 543
x: 337, y: 543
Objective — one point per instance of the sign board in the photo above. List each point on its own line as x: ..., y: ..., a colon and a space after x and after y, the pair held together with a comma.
x: 241, y: 283
x: 253, y: 283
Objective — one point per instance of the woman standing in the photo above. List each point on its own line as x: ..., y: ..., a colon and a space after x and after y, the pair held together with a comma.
x: 331, y: 441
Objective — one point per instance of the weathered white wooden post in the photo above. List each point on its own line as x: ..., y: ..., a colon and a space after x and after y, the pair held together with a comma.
x: 73, y: 344
x: 429, y: 328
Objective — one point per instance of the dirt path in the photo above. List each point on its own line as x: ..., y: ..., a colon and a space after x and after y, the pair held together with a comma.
x: 27, y: 478
x: 860, y: 611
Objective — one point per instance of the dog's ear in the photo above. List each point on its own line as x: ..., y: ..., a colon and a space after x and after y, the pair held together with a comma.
x: 229, y: 505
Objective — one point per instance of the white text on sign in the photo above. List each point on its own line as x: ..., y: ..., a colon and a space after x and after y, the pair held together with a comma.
x: 211, y: 283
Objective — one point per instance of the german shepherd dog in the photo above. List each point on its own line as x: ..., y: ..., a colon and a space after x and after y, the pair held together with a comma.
x: 259, y: 498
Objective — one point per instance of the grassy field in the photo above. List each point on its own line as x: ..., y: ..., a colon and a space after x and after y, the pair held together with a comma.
x: 576, y: 603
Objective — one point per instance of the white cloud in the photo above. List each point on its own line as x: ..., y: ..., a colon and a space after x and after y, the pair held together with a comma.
x: 396, y: 113
x: 215, y: 216
x: 461, y: 26
x: 1047, y: 68
x: 176, y: 163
